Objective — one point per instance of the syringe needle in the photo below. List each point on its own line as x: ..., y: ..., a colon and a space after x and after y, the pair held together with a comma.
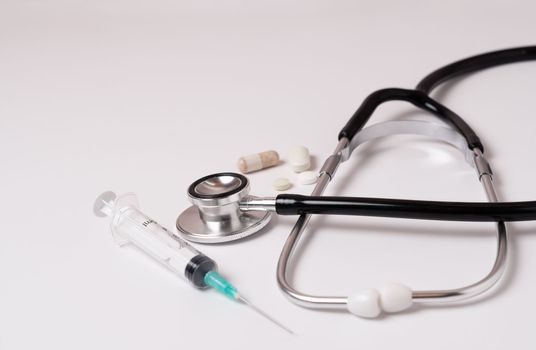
x: 220, y: 284
x: 262, y: 313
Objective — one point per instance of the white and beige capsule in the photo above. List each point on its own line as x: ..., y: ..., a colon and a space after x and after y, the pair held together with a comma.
x: 258, y: 161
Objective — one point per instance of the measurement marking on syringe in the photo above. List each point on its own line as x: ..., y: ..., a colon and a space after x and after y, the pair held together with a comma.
x: 182, y: 243
x: 148, y: 222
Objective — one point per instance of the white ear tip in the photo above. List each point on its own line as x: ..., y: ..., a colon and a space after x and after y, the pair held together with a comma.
x: 365, y: 303
x: 395, y: 297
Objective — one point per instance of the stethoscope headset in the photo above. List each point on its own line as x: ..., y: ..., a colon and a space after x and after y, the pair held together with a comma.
x: 223, y: 210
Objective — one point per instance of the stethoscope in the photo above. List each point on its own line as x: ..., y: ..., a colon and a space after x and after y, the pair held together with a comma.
x: 223, y: 210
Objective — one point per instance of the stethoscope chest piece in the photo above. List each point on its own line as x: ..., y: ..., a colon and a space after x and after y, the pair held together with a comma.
x: 215, y: 216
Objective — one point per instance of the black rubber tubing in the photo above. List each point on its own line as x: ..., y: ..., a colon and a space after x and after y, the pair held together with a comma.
x: 420, y: 98
x: 476, y: 63
x: 417, y: 98
x: 293, y: 204
x: 415, y: 209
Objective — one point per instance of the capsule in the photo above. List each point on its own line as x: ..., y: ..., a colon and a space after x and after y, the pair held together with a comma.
x: 258, y: 161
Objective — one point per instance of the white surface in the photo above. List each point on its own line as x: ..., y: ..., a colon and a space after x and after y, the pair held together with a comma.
x: 148, y: 96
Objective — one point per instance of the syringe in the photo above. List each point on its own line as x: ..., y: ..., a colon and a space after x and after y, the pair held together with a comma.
x: 130, y: 225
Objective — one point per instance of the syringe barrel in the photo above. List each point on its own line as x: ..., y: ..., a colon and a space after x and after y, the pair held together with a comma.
x: 130, y: 225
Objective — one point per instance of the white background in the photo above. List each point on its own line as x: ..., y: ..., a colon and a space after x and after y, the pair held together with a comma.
x: 148, y: 96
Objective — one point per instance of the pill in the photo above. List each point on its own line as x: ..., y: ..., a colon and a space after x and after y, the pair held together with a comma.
x: 282, y: 184
x: 299, y: 159
x: 307, y: 178
x: 258, y: 161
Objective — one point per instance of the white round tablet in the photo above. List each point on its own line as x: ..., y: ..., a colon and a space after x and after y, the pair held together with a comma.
x: 307, y: 178
x: 299, y: 159
x: 282, y: 184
